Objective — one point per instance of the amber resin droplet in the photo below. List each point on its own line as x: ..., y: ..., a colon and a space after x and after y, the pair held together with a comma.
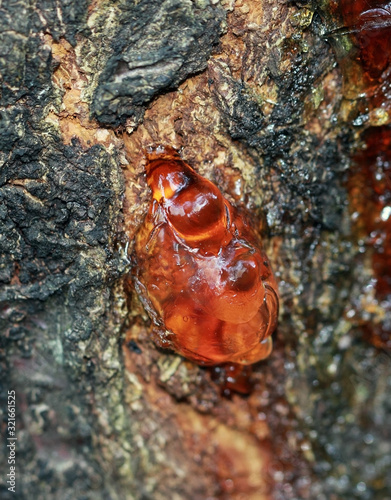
x: 202, y: 276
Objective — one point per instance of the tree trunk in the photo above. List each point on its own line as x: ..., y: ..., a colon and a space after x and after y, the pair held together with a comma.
x: 269, y: 99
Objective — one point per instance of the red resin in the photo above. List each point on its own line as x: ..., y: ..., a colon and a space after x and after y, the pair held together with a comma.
x: 370, y: 25
x: 200, y: 272
x: 368, y: 22
x: 233, y: 378
x: 370, y: 189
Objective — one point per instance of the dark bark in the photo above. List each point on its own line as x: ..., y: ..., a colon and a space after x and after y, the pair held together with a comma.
x: 253, y: 97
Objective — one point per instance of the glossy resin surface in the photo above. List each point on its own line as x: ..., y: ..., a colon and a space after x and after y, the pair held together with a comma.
x: 200, y: 272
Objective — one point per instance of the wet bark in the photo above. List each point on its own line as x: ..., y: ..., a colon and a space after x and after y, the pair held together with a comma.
x: 252, y: 94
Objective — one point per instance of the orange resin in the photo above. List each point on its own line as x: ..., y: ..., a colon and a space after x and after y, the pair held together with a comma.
x: 200, y: 272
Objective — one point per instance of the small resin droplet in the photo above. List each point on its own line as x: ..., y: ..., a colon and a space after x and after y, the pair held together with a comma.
x: 200, y: 271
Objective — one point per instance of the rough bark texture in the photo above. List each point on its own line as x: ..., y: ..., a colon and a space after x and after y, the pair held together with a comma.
x: 251, y: 94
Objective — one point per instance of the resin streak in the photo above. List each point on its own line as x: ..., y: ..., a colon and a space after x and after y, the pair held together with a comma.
x: 203, y: 278
x: 370, y: 25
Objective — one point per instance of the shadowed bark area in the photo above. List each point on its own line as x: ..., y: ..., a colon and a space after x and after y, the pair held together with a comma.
x: 266, y: 99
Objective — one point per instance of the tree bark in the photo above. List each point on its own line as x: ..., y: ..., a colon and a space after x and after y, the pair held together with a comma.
x: 256, y: 96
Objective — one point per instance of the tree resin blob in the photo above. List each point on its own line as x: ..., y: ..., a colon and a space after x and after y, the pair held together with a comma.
x: 200, y: 271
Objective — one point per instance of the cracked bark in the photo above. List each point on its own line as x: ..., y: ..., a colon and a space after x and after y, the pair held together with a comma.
x: 252, y: 95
